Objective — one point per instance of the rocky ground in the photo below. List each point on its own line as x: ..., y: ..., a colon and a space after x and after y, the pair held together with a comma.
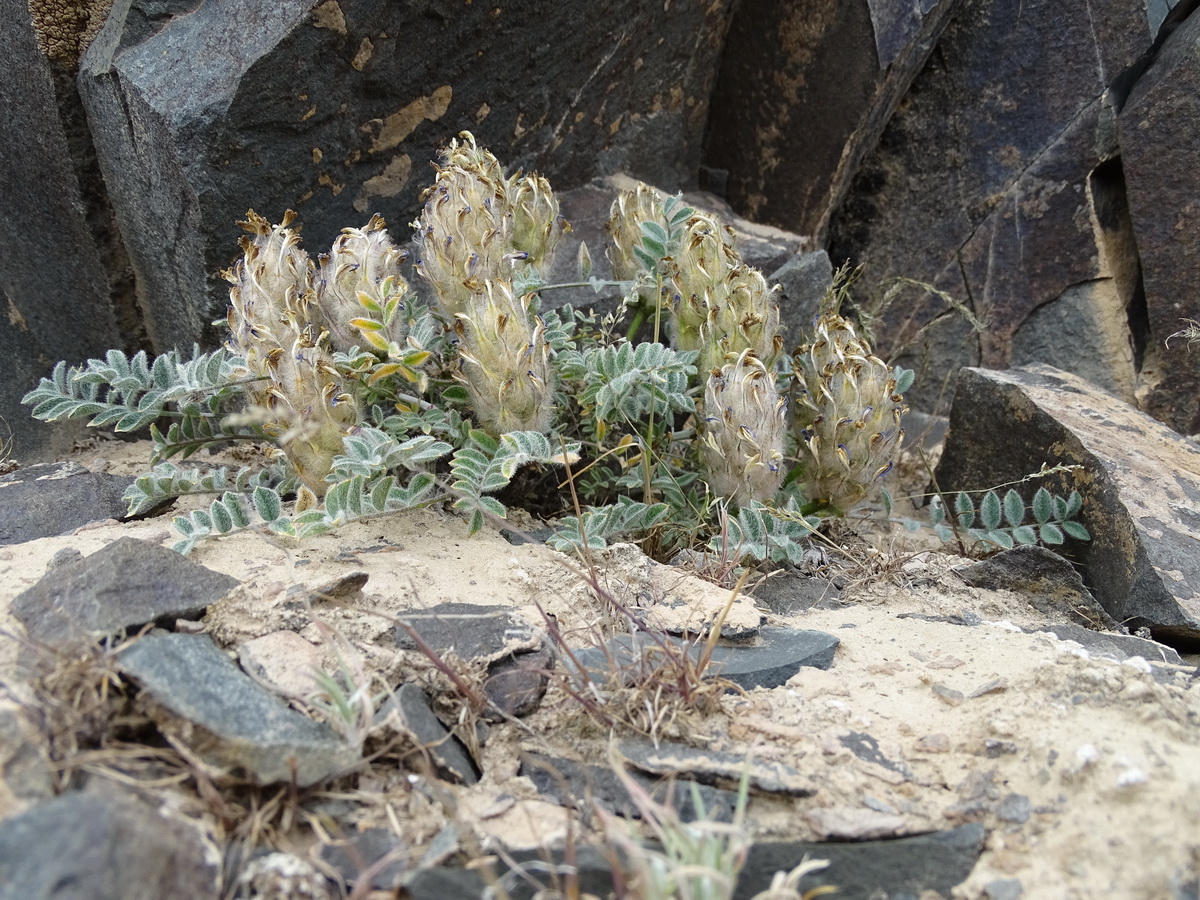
x: 936, y: 736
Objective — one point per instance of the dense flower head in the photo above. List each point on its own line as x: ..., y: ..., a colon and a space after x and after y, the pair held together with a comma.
x: 624, y: 228
x: 361, y: 278
x: 745, y: 426
x: 477, y: 226
x: 505, y: 361
x: 297, y: 395
x: 848, y: 415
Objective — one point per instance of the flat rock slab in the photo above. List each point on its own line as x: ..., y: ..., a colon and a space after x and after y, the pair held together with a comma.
x: 866, y: 870
x: 715, y: 767
x: 584, y: 786
x: 1048, y: 581
x: 1139, y: 479
x: 56, y: 498
x: 776, y: 655
x: 82, y: 846
x: 226, y: 717
x: 469, y: 630
x: 125, y: 585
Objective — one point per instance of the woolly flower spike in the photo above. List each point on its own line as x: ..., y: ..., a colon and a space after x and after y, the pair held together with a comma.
x: 476, y: 226
x: 299, y: 400
x: 745, y: 423
x: 505, y: 362
x: 537, y: 224
x: 849, y: 413
x: 624, y: 227
x: 700, y: 269
x: 743, y: 315
x: 271, y: 290
x: 360, y: 291
x: 309, y: 411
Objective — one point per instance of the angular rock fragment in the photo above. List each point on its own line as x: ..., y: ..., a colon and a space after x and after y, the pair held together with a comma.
x: 84, y: 846
x: 1047, y: 580
x: 410, y: 707
x: 777, y: 655
x: 56, y: 498
x: 715, y: 767
x: 469, y: 630
x: 127, y: 584
x: 1140, y: 483
x: 930, y: 864
x: 226, y: 718
x: 584, y: 786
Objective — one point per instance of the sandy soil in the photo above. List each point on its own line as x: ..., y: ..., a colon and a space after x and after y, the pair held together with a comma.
x: 968, y: 720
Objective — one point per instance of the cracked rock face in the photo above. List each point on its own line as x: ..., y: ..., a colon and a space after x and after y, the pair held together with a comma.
x: 1005, y: 195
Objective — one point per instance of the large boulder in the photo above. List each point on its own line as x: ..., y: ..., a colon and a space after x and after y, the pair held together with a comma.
x: 804, y: 92
x: 59, y: 270
x: 1160, y: 131
x: 1140, y: 482
x: 335, y: 109
x: 997, y: 181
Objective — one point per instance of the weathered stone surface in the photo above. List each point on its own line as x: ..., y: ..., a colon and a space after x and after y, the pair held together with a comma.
x: 56, y: 498
x: 516, y: 684
x: 998, y: 181
x: 786, y: 593
x: 1140, y: 483
x: 774, y: 656
x: 410, y: 708
x: 469, y: 630
x: 899, y: 868
x: 804, y: 91
x: 585, y: 786
x: 336, y: 108
x: 1115, y: 646
x: 715, y: 767
x: 228, y: 719
x: 365, y: 851
x: 26, y: 772
x: 127, y: 584
x: 803, y: 280
x: 86, y: 847
x: 54, y: 283
x: 1048, y: 581
x: 1159, y: 125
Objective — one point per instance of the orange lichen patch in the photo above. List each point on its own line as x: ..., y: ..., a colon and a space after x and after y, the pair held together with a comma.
x: 65, y: 28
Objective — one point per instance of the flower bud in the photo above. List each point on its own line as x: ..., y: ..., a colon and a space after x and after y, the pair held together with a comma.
x: 465, y: 233
x: 505, y: 362
x: 745, y: 424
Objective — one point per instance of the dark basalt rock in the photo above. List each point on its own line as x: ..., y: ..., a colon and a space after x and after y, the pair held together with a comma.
x: 1140, y: 483
x: 226, y: 717
x: 1050, y: 583
x: 1158, y: 126
x: 127, y: 584
x: 583, y: 786
x: 998, y: 181
x: 336, y: 110
x: 85, y: 846
x: 56, y: 498
x: 411, y: 707
x: 898, y: 868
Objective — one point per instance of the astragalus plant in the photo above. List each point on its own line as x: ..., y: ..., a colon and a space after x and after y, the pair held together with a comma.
x: 377, y: 400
